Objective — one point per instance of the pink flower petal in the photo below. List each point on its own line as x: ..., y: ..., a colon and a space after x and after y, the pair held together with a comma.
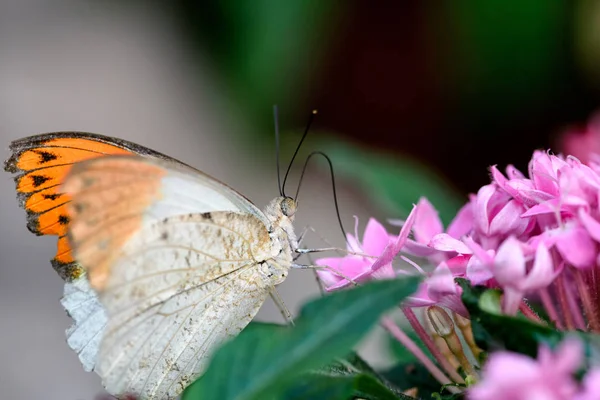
x: 459, y: 263
x: 502, y: 182
x: 526, y: 193
x: 514, y: 173
x: 508, y: 219
x: 542, y: 273
x: 418, y: 249
x: 481, y: 216
x: 567, y: 357
x: 509, y: 264
x: 393, y: 248
x: 497, y: 176
x: 477, y: 272
x: 511, y: 300
x: 327, y: 277
x: 420, y: 298
x: 508, y: 375
x: 375, y: 238
x: 543, y: 175
x: 591, y: 224
x: 445, y: 242
x: 353, y: 244
x: 385, y: 272
x: 577, y: 247
x: 350, y: 266
x: 547, y: 207
x: 441, y: 282
x: 591, y: 386
x: 478, y: 251
x: 427, y: 222
x: 462, y: 224
x: 390, y: 252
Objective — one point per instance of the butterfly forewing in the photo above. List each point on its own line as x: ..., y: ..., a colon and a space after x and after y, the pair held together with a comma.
x: 41, y: 164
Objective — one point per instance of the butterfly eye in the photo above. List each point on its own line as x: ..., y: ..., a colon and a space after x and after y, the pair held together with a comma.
x: 288, y: 206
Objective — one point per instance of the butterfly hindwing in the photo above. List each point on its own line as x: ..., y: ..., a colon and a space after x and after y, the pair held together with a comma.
x: 176, y: 293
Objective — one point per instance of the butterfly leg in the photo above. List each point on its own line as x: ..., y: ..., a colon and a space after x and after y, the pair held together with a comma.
x: 335, y: 271
x: 317, y: 279
x: 278, y: 300
x: 302, y: 236
x: 300, y: 251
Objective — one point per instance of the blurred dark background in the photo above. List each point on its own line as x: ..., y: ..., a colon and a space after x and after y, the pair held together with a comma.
x: 453, y: 86
x: 414, y: 98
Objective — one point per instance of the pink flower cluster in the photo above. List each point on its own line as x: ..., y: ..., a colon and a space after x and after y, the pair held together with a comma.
x: 520, y: 233
x: 514, y: 376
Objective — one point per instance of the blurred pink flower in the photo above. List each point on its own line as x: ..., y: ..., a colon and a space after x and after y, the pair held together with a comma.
x: 591, y: 386
x: 497, y: 215
x: 439, y: 288
x: 514, y: 376
x: 375, y: 240
x: 376, y: 243
x: 511, y: 272
x: 430, y: 240
x: 582, y: 141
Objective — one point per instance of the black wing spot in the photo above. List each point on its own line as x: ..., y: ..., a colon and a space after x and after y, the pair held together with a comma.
x: 164, y: 236
x: 38, y: 180
x: 63, y: 219
x: 52, y: 196
x: 46, y: 156
x: 207, y: 216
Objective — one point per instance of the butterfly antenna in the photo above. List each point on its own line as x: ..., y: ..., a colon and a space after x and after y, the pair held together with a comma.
x: 277, y: 150
x: 335, y: 199
x: 310, y: 120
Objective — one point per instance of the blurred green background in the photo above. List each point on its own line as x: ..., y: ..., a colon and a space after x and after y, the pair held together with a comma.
x: 441, y: 90
x: 414, y: 97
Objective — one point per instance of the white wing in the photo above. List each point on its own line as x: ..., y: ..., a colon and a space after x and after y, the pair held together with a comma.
x: 89, y: 319
x: 176, y: 277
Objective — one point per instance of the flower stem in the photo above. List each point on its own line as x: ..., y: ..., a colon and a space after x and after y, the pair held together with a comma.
x: 435, y: 352
x: 550, y: 309
x: 529, y: 313
x: 464, y: 324
x: 389, y: 325
x: 592, y: 284
x: 588, y: 305
x: 574, y: 305
x: 443, y: 325
x: 564, y: 303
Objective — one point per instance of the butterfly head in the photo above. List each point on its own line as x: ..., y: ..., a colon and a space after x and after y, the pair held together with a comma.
x: 280, y: 212
x: 288, y: 206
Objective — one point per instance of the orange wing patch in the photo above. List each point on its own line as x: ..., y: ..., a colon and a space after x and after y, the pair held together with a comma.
x: 110, y: 197
x: 41, y: 163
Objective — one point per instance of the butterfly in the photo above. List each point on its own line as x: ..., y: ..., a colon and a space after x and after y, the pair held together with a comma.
x: 162, y: 263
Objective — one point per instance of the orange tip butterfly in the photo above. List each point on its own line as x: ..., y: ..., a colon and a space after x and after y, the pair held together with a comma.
x: 162, y: 263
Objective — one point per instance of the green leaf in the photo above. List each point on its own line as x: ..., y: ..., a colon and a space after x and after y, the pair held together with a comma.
x: 353, y: 364
x: 326, y: 387
x: 493, y: 330
x: 408, y: 375
x: 263, y: 362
